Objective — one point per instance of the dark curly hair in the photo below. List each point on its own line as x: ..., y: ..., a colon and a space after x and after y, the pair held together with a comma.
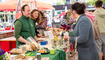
x: 79, y: 8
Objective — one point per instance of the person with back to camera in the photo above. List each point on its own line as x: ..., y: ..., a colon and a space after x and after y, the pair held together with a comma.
x: 83, y: 33
x: 100, y: 19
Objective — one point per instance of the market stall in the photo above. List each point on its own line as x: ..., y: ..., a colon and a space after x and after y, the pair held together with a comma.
x: 48, y: 51
x: 6, y: 13
x: 51, y: 47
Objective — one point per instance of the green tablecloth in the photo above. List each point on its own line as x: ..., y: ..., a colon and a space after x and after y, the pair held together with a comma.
x: 59, y: 55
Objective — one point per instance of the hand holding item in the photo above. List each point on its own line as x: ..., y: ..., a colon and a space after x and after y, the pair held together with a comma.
x: 31, y: 40
x: 27, y: 42
x: 33, y: 46
x: 36, y: 38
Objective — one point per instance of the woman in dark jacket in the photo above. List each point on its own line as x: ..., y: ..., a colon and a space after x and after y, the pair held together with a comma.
x: 84, y: 33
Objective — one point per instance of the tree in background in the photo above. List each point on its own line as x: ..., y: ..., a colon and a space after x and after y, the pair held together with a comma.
x: 92, y: 2
x: 61, y: 2
x: 103, y: 1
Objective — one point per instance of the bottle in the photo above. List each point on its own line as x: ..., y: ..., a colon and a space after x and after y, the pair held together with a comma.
x: 38, y: 56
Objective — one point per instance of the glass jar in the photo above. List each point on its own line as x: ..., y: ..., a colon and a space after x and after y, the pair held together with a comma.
x: 38, y: 56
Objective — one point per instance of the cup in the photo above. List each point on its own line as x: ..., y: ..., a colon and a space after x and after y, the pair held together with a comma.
x: 52, y: 51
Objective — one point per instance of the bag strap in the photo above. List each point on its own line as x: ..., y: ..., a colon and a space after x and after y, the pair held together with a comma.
x: 95, y: 29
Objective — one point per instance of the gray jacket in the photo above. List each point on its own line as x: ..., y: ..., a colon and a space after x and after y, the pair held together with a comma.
x: 85, y: 43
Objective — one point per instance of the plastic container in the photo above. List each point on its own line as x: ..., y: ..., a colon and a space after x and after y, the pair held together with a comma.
x: 43, y: 42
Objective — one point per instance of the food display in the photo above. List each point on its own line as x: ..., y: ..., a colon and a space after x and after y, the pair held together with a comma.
x: 43, y: 51
x: 46, y: 44
x: 20, y: 56
x: 23, y: 49
x: 29, y: 54
x: 23, y: 57
x: 16, y: 51
x: 33, y: 47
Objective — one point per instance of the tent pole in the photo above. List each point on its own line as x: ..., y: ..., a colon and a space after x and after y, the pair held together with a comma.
x: 16, y: 12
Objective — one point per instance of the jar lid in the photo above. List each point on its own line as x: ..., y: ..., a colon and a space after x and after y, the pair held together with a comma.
x: 30, y: 59
x: 38, y: 54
